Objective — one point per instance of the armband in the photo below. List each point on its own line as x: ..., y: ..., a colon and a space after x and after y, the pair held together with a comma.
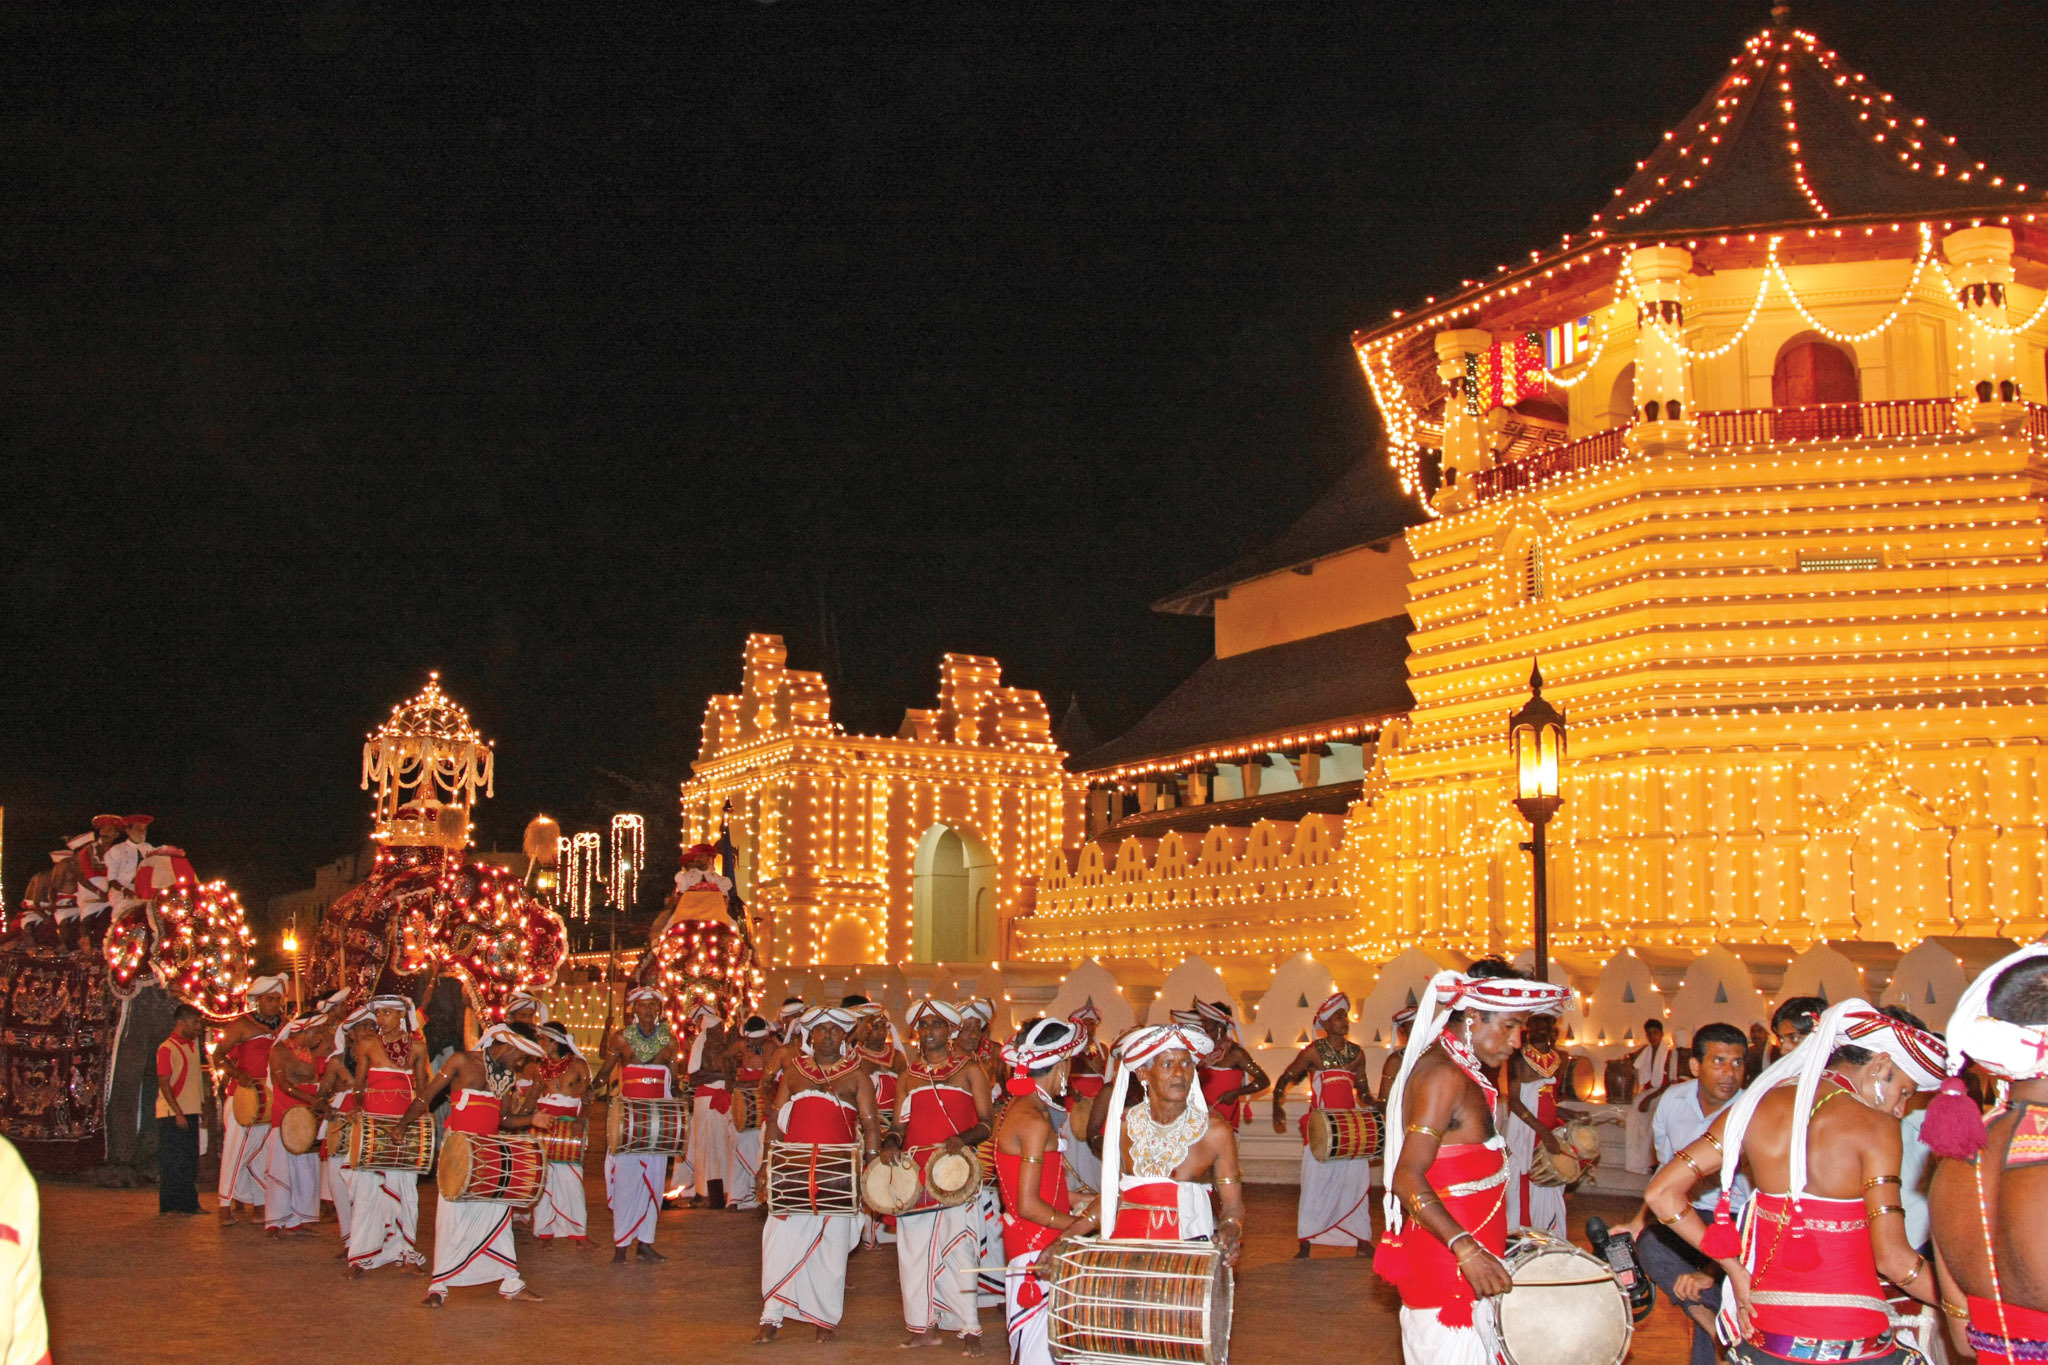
x: 1425, y: 1129
x: 1686, y: 1157
x: 1877, y: 1180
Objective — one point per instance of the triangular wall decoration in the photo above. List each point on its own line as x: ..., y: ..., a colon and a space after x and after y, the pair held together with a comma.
x: 1721, y: 993
x: 1628, y: 994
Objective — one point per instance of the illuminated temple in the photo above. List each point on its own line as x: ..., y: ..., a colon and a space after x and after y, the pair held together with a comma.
x: 1753, y: 466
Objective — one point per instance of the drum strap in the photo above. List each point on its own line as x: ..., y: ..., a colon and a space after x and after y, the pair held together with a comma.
x: 1774, y: 1298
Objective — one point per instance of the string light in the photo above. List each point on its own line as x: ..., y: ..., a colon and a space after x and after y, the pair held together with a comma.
x: 582, y: 874
x: 629, y: 855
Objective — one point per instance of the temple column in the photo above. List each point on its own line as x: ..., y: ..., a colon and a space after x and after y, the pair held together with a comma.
x: 1980, y: 269
x: 1663, y: 415
x: 1466, y: 452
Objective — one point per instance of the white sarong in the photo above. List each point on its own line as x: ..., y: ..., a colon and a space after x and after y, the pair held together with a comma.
x: 633, y: 1188
x: 1335, y: 1208
x: 384, y: 1218
x: 1530, y: 1205
x: 562, y: 1210
x: 710, y: 1146
x: 937, y: 1263
x: 803, y: 1267
x: 740, y: 1192
x: 1029, y: 1341
x: 989, y: 1285
x: 1425, y: 1341
x: 336, y: 1190
x: 244, y: 1157
x: 473, y: 1245
x: 291, y: 1188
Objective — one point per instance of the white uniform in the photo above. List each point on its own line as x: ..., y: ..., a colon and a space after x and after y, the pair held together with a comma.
x: 635, y: 1181
x: 803, y: 1255
x: 562, y: 1211
x: 473, y: 1238
x: 124, y: 863
x: 1531, y: 1205
x: 1335, y: 1209
x: 938, y: 1250
x: 1653, y: 1068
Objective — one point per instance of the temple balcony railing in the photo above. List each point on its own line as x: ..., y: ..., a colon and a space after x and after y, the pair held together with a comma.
x: 1894, y: 419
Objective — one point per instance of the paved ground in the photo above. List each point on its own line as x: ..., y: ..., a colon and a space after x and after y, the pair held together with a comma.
x: 123, y: 1284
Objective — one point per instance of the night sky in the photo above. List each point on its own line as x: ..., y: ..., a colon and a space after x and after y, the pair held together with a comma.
x: 557, y: 349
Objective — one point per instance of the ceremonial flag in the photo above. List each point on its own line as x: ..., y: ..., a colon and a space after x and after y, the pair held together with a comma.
x: 1567, y: 344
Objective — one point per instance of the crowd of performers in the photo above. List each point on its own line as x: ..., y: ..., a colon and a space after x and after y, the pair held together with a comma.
x: 1798, y: 1214
x: 97, y: 879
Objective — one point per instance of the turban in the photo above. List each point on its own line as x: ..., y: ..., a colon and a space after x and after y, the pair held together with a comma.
x: 1087, y: 1013
x: 1338, y: 1005
x: 1856, y: 1023
x: 755, y: 1027
x: 1447, y: 993
x: 334, y: 1001
x: 790, y: 1009
x: 267, y: 985
x: 1141, y: 1047
x: 842, y: 1019
x: 1041, y: 1044
x: 362, y: 1015
x: 639, y: 993
x: 395, y: 1002
x: 519, y: 1000
x: 559, y: 1031
x: 1190, y: 1018
x: 1954, y: 1126
x: 1404, y: 1015
x: 938, y: 1007
x: 499, y: 1033
x: 705, y: 1010
x: 977, y: 1006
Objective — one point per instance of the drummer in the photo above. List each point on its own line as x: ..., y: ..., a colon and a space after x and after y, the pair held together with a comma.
x: 1404, y: 1024
x: 563, y: 1079
x: 1532, y: 1121
x: 974, y: 1040
x: 1820, y: 1133
x: 1446, y: 1169
x: 1160, y: 1155
x: 390, y: 1068
x: 1335, y: 1208
x: 1085, y: 1080
x: 1032, y: 1177
x: 1985, y: 1204
x: 822, y: 1097
x: 1230, y: 1076
x: 244, y: 1056
x: 710, y: 1076
x: 944, y: 1107
x: 644, y: 1052
x: 291, y: 1183
x: 473, y: 1238
x: 751, y: 1055
x: 880, y: 1051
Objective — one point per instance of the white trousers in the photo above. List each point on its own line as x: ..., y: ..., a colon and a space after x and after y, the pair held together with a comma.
x: 291, y: 1188
x: 633, y: 1188
x: 1639, y: 1149
x: 1335, y: 1208
x: 336, y: 1190
x: 937, y: 1261
x: 384, y: 1218
x: 1530, y: 1206
x: 803, y: 1267
x: 740, y: 1191
x: 473, y: 1245
x: 244, y: 1157
x: 1425, y: 1341
x: 710, y: 1146
x: 1028, y: 1325
x: 562, y: 1210
x: 989, y: 1283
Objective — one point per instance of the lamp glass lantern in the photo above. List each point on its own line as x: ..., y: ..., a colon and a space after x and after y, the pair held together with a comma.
x: 1536, y: 746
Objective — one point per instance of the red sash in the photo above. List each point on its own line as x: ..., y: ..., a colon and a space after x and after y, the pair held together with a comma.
x: 561, y: 1106
x: 474, y: 1111
x: 1215, y: 1082
x: 1149, y: 1211
x: 1434, y: 1280
x: 1848, y: 1265
x: 643, y: 1082
x: 387, y: 1091
x: 816, y: 1116
x: 2028, y: 1327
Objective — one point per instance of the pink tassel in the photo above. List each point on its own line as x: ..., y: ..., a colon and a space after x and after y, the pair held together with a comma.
x: 1954, y: 1125
x: 1721, y: 1241
x: 1390, y: 1259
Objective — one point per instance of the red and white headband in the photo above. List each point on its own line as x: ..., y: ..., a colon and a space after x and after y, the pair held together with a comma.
x: 1338, y: 1005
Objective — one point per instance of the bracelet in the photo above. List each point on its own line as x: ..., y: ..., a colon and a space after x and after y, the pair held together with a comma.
x: 1959, y: 1314
x: 1883, y: 1209
x: 1686, y: 1157
x: 1463, y: 1233
x: 1919, y: 1268
x: 1877, y: 1180
x: 1422, y: 1200
x: 1421, y: 1128
x: 1675, y: 1219
x: 1229, y: 1180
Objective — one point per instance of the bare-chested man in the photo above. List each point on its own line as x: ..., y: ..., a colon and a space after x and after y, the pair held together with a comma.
x: 1819, y: 1132
x: 291, y: 1183
x: 644, y: 1054
x: 753, y: 1051
x: 390, y: 1068
x: 1335, y: 1208
x: 473, y: 1238
x: 943, y: 1107
x: 243, y: 1055
x: 1996, y: 1182
x: 1161, y: 1154
x: 821, y: 1098
x: 1033, y: 1180
x: 1404, y: 1024
x: 1447, y: 1172
x: 562, y: 1088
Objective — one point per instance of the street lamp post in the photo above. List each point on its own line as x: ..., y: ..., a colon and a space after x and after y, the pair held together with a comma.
x: 291, y: 946
x: 1536, y: 747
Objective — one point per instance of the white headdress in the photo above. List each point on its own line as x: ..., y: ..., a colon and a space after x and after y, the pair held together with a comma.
x: 267, y: 985
x: 1338, y: 1004
x: 502, y: 1033
x: 559, y: 1031
x: 938, y: 1007
x: 1954, y: 1125
x: 811, y: 1018
x: 1135, y: 1049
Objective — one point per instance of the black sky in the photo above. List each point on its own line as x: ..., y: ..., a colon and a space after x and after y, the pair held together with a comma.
x: 557, y: 347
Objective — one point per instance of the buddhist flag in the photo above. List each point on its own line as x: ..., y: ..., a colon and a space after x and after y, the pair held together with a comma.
x: 1508, y: 372
x: 1566, y: 344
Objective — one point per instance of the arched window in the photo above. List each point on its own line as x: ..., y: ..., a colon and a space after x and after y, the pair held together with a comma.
x: 1621, y: 399
x: 1810, y: 372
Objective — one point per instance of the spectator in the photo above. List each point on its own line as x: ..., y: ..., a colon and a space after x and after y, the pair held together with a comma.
x: 1759, y: 1052
x: 1795, y: 1019
x: 1654, y: 1073
x: 179, y: 1092
x: 1719, y: 1052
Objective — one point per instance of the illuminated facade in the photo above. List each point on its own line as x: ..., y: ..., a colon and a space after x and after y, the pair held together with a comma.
x: 1755, y: 467
x: 912, y: 847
